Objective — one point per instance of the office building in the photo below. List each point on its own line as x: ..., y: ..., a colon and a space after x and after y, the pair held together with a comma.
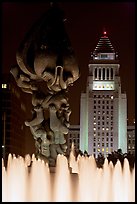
x: 103, y: 107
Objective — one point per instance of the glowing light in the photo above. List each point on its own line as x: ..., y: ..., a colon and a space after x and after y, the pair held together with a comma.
x: 4, y: 86
x: 111, y: 97
x: 105, y: 32
x: 21, y: 183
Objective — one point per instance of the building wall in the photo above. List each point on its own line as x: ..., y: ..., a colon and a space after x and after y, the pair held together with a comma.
x: 122, y: 139
x: 131, y: 139
x: 73, y: 137
x: 84, y: 122
x: 15, y: 110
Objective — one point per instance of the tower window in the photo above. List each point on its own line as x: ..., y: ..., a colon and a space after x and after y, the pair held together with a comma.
x: 111, y: 73
x: 111, y: 97
x: 104, y: 56
x: 103, y: 73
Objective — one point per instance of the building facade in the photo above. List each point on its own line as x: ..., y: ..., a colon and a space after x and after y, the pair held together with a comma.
x: 131, y: 139
x: 103, y: 108
x: 73, y: 137
x: 16, y: 137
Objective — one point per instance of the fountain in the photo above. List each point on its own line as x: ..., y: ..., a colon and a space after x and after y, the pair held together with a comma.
x: 37, y: 183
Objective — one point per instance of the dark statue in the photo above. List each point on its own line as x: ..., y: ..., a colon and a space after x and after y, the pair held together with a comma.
x: 46, y: 67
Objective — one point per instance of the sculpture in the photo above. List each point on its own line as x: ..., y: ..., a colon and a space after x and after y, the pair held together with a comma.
x: 46, y: 67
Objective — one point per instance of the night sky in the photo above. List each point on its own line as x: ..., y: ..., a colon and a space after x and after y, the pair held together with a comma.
x: 84, y: 26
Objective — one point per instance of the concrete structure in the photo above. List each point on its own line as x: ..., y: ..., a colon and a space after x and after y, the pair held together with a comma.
x: 131, y: 139
x: 103, y: 108
x: 73, y: 136
x: 16, y: 137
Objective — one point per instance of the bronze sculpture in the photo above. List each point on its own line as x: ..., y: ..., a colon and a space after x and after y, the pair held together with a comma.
x: 46, y: 57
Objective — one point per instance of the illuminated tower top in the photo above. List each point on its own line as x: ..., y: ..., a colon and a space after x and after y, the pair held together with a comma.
x: 104, y: 49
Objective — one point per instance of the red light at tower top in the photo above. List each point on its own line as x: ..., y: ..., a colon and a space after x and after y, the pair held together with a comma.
x: 104, y: 32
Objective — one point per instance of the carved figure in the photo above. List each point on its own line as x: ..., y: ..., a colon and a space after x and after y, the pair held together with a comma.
x: 46, y: 56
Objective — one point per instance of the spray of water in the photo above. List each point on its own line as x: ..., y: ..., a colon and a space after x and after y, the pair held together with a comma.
x: 36, y: 183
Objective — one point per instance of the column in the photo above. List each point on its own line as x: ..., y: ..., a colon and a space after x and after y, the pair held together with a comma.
x: 105, y: 73
x: 101, y: 73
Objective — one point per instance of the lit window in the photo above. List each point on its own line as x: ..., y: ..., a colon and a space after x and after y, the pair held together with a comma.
x: 4, y: 86
x: 103, y: 56
x: 102, y: 149
x: 106, y: 149
x: 94, y: 128
x: 102, y: 128
x: 98, y: 149
x: 111, y: 149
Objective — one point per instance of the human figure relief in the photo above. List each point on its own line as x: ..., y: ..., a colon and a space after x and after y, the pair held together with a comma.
x: 46, y: 56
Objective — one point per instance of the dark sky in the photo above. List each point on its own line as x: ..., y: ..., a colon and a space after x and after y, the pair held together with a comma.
x: 84, y: 26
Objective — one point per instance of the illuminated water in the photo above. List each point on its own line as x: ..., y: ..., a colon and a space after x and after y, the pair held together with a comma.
x: 21, y: 183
